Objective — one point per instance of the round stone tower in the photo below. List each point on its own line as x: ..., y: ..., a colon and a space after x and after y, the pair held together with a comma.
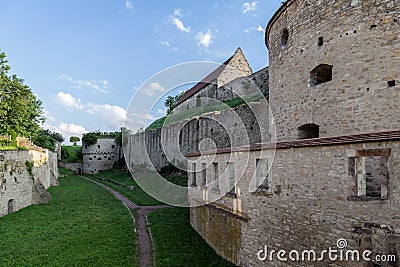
x: 334, y: 67
x: 100, y: 156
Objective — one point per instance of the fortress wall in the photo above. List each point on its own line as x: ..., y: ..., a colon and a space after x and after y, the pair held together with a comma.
x: 19, y: 187
x: 309, y: 205
x: 53, y: 168
x: 360, y: 39
x: 189, y: 134
x: 75, y: 167
x: 226, y: 92
x: 15, y: 182
x: 100, y: 156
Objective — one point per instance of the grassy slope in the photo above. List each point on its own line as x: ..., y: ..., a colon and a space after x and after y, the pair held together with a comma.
x: 73, y: 152
x: 176, y: 243
x: 82, y: 226
x: 137, y: 195
x: 191, y: 113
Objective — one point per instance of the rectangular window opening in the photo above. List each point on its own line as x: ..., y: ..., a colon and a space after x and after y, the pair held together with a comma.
x: 203, y: 175
x: 194, y: 182
x: 321, y: 41
x: 391, y: 83
x: 369, y: 174
x: 215, y: 173
x: 262, y: 174
x: 231, y: 179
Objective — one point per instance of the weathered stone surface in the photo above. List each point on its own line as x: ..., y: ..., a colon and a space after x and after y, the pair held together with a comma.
x: 305, y: 207
x: 21, y: 186
x: 360, y: 41
x: 100, y: 156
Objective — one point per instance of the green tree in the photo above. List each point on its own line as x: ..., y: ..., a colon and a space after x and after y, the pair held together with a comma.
x: 20, y: 111
x: 74, y: 139
x: 89, y: 138
x: 47, y: 139
x: 171, y: 101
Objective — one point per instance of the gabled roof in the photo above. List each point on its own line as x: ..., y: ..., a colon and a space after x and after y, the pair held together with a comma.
x: 203, y: 83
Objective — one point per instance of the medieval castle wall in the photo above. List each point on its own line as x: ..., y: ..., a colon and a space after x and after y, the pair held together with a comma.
x: 343, y: 59
x: 308, y: 202
x: 21, y: 186
x: 232, y: 127
x: 239, y: 86
x: 100, y: 156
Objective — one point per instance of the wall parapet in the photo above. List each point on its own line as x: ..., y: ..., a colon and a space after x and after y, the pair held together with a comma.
x: 324, y: 141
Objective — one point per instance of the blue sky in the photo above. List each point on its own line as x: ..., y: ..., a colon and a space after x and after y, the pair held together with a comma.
x: 85, y: 59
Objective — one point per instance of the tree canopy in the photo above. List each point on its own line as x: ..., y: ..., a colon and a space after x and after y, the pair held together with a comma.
x: 171, y: 101
x: 74, y: 139
x: 20, y: 111
x: 89, y: 138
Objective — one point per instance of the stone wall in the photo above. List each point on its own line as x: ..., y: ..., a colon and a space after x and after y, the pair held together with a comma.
x: 239, y: 86
x: 76, y: 167
x: 100, y: 156
x: 360, y: 40
x: 233, y: 127
x: 21, y: 186
x: 309, y: 203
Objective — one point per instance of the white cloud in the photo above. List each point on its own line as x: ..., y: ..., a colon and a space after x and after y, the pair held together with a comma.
x: 153, y: 87
x: 100, y: 86
x: 249, y: 7
x: 179, y: 24
x: 128, y: 5
x: 259, y: 29
x: 166, y: 43
x: 68, y: 100
x: 178, y: 13
x: 204, y: 39
x: 67, y: 129
x: 175, y: 19
x: 114, y: 116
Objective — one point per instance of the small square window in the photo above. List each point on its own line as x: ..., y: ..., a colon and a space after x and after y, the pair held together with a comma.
x: 391, y: 83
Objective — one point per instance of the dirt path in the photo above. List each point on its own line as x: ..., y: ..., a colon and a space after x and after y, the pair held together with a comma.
x: 144, y: 239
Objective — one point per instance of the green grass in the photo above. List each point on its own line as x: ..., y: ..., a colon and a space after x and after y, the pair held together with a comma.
x: 137, y: 195
x: 65, y: 172
x: 72, y: 154
x: 83, y: 225
x: 194, y: 112
x: 177, y: 244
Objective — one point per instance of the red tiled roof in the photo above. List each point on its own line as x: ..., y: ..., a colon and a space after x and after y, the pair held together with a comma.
x: 203, y: 83
x: 324, y: 141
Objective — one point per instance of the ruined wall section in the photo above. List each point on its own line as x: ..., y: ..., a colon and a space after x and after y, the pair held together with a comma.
x: 360, y: 40
x: 21, y: 186
x: 241, y: 85
x: 220, y: 129
x: 308, y: 205
x: 100, y: 156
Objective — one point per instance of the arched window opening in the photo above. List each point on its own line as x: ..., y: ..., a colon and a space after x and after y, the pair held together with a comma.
x: 308, y: 131
x: 285, y: 38
x: 321, y: 74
